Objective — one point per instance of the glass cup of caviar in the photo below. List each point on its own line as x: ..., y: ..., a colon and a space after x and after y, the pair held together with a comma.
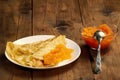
x: 87, y: 34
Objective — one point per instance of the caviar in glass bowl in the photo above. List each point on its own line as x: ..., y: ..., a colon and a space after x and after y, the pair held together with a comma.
x: 88, y: 36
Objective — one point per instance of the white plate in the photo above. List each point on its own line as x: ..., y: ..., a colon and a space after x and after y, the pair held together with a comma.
x: 30, y: 39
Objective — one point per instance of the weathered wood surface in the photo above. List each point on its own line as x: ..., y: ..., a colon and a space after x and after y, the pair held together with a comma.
x: 21, y: 18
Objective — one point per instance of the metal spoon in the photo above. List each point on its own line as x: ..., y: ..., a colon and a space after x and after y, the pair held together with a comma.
x: 98, y: 35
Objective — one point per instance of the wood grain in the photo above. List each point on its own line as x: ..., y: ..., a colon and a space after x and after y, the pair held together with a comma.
x: 24, y: 29
x: 21, y: 18
x: 8, y: 31
x: 41, y: 17
x: 16, y: 24
x: 104, y: 13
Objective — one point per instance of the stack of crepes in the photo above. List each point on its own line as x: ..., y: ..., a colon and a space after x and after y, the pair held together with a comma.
x: 41, y: 53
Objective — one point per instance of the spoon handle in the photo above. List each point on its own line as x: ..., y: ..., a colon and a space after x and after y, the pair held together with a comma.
x: 98, y: 60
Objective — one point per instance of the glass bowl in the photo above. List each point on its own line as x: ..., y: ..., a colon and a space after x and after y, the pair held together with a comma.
x: 88, y: 35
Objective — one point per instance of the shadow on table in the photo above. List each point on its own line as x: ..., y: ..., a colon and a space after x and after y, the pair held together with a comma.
x: 11, y: 70
x: 5, y: 64
x: 18, y: 71
x: 93, y: 54
x: 52, y: 73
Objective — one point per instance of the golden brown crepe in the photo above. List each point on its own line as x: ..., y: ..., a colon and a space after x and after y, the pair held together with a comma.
x: 32, y: 54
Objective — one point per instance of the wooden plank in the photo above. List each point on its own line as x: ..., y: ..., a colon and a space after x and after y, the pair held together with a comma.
x: 69, y: 23
x: 52, y: 16
x: 15, y: 21
x: 59, y: 17
x: 43, y: 20
x: 25, y: 19
x: 39, y: 15
x: 96, y: 13
x: 24, y: 29
x: 38, y: 9
x: 7, y: 32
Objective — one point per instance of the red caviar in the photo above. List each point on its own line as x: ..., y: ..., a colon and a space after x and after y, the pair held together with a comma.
x: 60, y: 53
x: 88, y: 33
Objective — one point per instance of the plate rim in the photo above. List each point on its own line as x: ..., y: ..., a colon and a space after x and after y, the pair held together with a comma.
x: 56, y: 66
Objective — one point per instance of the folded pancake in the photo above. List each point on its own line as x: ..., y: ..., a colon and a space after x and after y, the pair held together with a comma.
x: 46, y: 48
x: 32, y: 54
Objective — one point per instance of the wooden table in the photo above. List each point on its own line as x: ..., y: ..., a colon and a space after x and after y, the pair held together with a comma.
x: 21, y: 18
